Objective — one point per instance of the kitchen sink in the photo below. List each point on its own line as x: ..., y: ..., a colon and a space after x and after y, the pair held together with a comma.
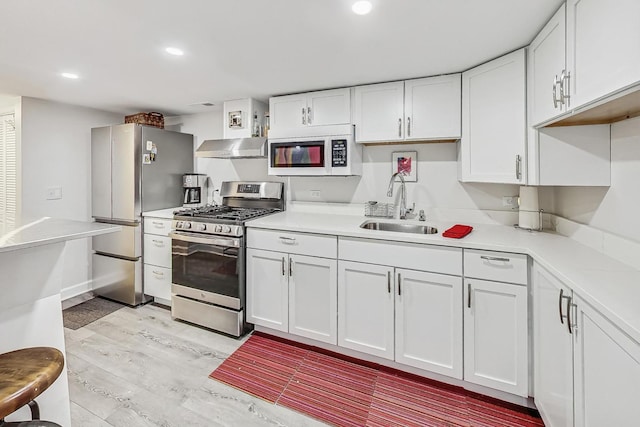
x: 402, y: 228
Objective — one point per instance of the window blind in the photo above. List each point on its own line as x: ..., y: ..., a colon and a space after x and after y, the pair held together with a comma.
x: 8, y: 169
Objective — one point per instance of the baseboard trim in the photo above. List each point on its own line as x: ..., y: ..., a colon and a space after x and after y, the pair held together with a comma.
x: 75, y: 290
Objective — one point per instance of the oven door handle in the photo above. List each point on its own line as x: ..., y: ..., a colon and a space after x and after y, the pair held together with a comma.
x: 209, y: 240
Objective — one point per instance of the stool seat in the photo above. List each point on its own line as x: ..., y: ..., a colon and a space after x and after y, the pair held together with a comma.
x: 25, y: 374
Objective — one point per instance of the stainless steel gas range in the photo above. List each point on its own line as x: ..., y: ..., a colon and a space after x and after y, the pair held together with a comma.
x: 208, y: 255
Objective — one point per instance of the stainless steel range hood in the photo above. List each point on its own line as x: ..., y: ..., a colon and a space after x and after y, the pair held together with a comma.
x: 240, y: 148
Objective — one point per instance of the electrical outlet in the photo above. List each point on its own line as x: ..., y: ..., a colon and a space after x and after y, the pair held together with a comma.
x: 510, y: 201
x: 54, y: 193
x: 315, y: 194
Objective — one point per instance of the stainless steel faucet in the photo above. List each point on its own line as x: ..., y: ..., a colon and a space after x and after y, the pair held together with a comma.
x: 403, y: 194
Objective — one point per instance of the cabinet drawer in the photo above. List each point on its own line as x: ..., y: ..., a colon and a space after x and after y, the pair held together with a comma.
x: 159, y: 226
x: 293, y: 243
x: 157, y: 281
x: 157, y: 250
x: 437, y: 259
x: 497, y: 266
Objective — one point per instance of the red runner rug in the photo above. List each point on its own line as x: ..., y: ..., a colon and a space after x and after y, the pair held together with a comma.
x: 346, y: 392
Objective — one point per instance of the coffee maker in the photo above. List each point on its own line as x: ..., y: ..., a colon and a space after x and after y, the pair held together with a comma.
x: 194, y: 190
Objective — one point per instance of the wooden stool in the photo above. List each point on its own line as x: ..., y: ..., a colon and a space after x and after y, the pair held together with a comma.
x: 24, y: 375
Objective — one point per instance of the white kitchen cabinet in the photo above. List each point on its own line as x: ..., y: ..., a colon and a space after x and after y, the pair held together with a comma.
x: 606, y: 371
x: 428, y: 332
x: 326, y: 107
x: 157, y: 258
x: 366, y: 308
x: 419, y: 109
x: 493, y: 142
x: 495, y: 320
x: 425, y: 307
x: 546, y: 62
x: 553, y: 356
x: 496, y: 335
x: 293, y: 291
x: 603, y: 47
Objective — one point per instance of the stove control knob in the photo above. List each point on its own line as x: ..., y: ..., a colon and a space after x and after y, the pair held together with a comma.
x: 202, y: 227
x: 226, y: 229
x: 178, y: 224
x: 218, y: 229
x: 187, y: 225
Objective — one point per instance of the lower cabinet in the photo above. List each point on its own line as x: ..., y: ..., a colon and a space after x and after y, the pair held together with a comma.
x: 157, y: 258
x: 409, y: 316
x: 553, y: 357
x: 606, y: 371
x: 496, y: 335
x: 292, y: 293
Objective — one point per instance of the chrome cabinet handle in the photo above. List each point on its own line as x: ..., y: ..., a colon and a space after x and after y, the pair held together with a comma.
x: 494, y: 258
x: 565, y: 92
x: 518, y: 167
x: 158, y: 224
x: 399, y: 285
x: 400, y: 127
x: 554, y: 95
x: 469, y: 295
x: 560, y: 298
x: 304, y: 119
x: 288, y: 240
x: 388, y: 281
x: 569, y: 315
x: 158, y: 243
x: 158, y: 273
x: 290, y: 267
x: 309, y: 115
x: 283, y: 273
x: 408, y: 126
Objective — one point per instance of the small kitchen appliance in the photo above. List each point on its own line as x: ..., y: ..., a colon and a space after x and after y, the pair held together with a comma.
x: 194, y: 190
x: 208, y: 255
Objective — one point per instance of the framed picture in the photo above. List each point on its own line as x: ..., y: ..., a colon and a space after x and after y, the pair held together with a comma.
x: 405, y: 162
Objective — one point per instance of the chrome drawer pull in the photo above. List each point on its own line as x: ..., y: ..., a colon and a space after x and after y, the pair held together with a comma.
x: 494, y: 258
x: 158, y: 224
x: 158, y: 273
x: 159, y: 243
x: 288, y: 240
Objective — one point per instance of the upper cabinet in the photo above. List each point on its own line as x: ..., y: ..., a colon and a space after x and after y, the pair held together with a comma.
x: 585, y: 64
x: 494, y: 132
x: 547, y: 71
x: 411, y: 110
x: 326, y: 107
x: 603, y: 47
x: 242, y: 117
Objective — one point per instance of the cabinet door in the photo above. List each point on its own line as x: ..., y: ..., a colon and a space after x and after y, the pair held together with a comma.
x: 365, y: 308
x: 606, y: 371
x: 553, y: 356
x: 329, y: 107
x: 429, y: 321
x: 546, y: 62
x: 432, y: 107
x: 267, y: 289
x: 313, y: 298
x: 495, y: 335
x: 157, y: 250
x: 603, y: 47
x: 493, y: 139
x: 288, y: 112
x: 379, y: 112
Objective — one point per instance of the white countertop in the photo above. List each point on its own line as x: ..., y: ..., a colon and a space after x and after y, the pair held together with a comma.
x: 162, y: 213
x: 613, y: 288
x: 45, y: 230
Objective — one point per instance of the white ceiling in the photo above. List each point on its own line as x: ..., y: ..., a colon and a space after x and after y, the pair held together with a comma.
x: 244, y: 48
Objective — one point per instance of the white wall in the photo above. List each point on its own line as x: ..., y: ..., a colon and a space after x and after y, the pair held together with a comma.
x: 613, y: 209
x: 56, y: 152
x: 437, y: 185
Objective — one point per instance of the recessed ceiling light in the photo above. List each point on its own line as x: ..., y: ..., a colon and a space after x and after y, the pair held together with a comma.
x: 70, y: 75
x: 362, y: 7
x: 174, y: 51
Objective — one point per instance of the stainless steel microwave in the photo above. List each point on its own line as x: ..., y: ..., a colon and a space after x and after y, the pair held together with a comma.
x: 315, y: 151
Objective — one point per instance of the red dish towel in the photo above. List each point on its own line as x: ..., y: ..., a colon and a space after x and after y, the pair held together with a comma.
x: 458, y: 231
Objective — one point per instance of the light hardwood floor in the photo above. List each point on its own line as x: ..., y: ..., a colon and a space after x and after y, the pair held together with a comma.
x: 138, y: 367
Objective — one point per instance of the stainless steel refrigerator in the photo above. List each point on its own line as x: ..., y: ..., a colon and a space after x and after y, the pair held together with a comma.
x: 134, y: 169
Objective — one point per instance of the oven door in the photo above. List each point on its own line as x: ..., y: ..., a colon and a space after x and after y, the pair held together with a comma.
x: 209, y: 268
x: 299, y: 156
